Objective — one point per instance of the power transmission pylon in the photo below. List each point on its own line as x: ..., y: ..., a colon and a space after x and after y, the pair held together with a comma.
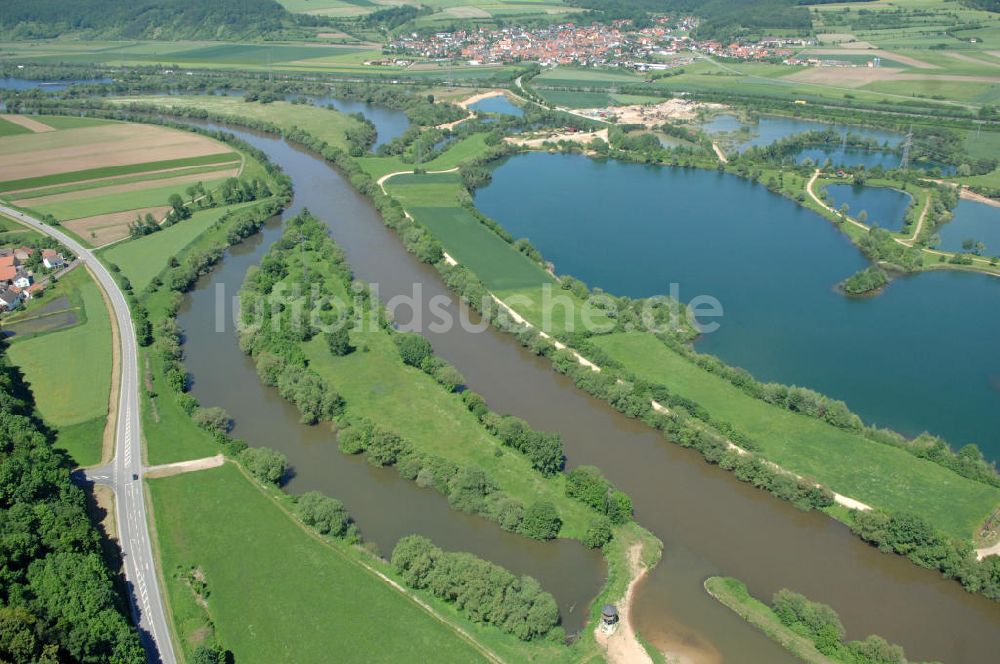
x: 904, y: 162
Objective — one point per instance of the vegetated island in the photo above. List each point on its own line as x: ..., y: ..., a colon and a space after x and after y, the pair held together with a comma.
x: 811, y: 631
x: 868, y: 281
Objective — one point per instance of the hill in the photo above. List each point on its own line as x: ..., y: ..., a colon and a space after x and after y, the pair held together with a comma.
x: 145, y: 19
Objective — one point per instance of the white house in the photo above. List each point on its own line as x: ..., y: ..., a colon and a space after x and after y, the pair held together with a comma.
x: 9, y: 299
x: 23, y: 279
x: 52, y: 260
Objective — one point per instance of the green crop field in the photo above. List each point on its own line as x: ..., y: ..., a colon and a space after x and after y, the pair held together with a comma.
x: 876, y: 474
x: 69, y: 370
x: 112, y: 171
x: 143, y: 258
x: 114, y: 181
x: 107, y: 203
x: 432, y: 199
x: 277, y: 593
x: 323, y: 123
x: 586, y: 78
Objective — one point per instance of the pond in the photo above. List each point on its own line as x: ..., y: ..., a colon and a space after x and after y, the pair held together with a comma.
x: 498, y: 104
x: 771, y: 128
x: 979, y: 222
x: 883, y: 205
x: 13, y: 83
x: 635, y: 230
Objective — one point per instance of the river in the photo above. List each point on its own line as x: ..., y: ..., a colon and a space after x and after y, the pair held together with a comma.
x: 920, y: 356
x: 710, y: 523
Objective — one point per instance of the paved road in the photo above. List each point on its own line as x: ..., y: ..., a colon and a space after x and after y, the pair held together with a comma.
x: 124, y: 473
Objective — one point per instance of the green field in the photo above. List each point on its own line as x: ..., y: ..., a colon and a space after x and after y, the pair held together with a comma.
x: 455, y: 154
x: 323, y: 123
x: 110, y: 182
x: 69, y: 370
x: 8, y: 128
x: 112, y: 171
x: 142, y: 259
x: 277, y: 593
x: 876, y: 474
x: 432, y: 199
x: 108, y: 203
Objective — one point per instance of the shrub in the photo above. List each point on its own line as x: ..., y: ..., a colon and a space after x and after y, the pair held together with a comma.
x: 413, y: 348
x: 265, y: 464
x: 541, y: 521
x: 339, y: 342
x: 326, y: 515
x: 213, y: 419
x: 598, y: 533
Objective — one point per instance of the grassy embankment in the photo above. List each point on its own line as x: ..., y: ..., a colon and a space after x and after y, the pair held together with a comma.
x: 273, y: 590
x: 733, y: 594
x: 875, y: 474
x: 65, y: 354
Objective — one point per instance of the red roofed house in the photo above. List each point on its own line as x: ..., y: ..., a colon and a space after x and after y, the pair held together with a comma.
x: 51, y: 259
x: 23, y: 253
x: 8, y: 261
x: 7, y: 273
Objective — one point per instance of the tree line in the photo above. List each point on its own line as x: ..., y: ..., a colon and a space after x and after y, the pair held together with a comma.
x: 58, y: 600
x: 482, y: 591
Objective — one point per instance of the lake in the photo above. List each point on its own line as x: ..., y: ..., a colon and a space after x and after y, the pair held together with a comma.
x: 499, y: 104
x: 921, y: 356
x: 885, y: 206
x: 973, y: 221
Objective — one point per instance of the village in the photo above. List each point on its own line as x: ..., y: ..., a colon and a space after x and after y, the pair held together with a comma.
x: 25, y: 272
x: 619, y: 44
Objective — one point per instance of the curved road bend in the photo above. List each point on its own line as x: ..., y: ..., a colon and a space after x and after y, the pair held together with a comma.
x: 124, y: 473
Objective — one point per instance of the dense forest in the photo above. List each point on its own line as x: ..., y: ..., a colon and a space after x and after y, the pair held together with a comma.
x: 720, y: 19
x: 145, y: 19
x: 57, y: 598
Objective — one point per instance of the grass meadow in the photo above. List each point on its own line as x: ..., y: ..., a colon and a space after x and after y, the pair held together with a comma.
x: 277, y: 593
x: 69, y: 369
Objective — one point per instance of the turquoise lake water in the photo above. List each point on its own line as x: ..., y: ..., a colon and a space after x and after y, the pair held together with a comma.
x: 920, y: 356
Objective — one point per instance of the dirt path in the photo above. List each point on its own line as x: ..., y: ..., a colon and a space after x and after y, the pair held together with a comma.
x: 30, y: 124
x: 168, y: 469
x: 623, y: 646
x: 388, y: 176
x: 719, y: 153
x: 920, y: 225
x: 988, y: 551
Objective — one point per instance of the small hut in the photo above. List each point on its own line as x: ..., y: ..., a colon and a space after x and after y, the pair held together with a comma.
x: 609, y: 618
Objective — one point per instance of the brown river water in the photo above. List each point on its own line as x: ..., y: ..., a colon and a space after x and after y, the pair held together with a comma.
x: 709, y: 522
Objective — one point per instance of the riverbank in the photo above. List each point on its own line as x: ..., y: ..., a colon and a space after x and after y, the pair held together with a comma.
x: 654, y: 472
x: 810, y: 630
